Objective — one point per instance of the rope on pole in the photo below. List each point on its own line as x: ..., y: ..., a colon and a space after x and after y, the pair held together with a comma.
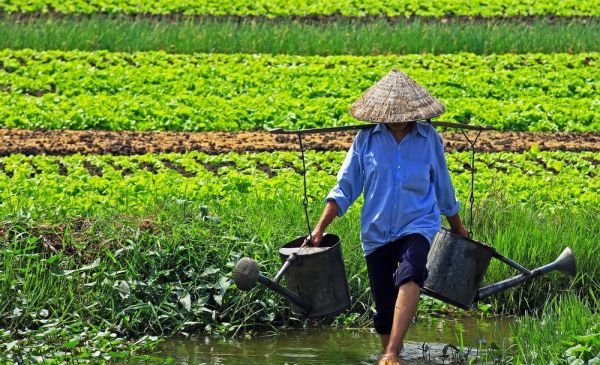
x: 305, y: 202
x: 472, y: 196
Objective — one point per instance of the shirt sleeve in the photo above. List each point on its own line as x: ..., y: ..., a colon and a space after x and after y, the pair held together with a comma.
x: 349, y: 179
x: 444, y: 190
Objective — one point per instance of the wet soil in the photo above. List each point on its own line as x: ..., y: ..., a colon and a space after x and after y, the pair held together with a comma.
x: 66, y: 142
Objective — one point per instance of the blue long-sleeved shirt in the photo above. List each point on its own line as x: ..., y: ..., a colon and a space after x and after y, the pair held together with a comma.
x: 406, y: 185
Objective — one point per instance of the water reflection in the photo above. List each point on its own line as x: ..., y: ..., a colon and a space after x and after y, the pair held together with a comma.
x: 425, y: 345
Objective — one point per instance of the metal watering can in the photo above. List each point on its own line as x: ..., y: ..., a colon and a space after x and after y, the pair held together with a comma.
x: 457, y: 265
x: 315, y: 277
x: 317, y: 284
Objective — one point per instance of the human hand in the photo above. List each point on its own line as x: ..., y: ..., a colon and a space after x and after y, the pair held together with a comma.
x: 461, y: 231
x: 317, y: 237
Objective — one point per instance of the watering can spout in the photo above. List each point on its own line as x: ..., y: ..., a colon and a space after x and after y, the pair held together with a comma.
x: 565, y: 262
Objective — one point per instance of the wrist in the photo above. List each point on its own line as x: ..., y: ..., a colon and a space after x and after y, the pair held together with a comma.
x: 456, y: 226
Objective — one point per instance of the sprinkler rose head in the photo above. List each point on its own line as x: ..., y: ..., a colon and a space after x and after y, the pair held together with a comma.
x: 245, y: 274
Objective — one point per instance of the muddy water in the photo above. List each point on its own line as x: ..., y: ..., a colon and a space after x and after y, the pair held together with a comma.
x: 425, y: 345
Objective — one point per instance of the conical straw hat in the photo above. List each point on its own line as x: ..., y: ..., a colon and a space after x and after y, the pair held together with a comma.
x: 396, y: 98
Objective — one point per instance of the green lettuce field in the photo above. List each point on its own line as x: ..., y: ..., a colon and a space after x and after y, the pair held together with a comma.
x: 158, y: 91
x: 298, y: 7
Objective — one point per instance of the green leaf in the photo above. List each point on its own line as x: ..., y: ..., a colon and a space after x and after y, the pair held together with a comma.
x: 72, y: 343
x: 83, y: 268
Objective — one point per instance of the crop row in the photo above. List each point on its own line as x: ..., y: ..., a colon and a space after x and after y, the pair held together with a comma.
x: 159, y: 91
x: 273, y: 164
x: 88, y: 182
x: 271, y: 8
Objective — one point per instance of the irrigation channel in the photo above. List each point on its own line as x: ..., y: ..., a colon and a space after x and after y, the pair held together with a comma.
x: 429, y: 341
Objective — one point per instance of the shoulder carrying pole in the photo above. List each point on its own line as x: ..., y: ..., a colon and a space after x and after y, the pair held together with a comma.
x: 364, y: 126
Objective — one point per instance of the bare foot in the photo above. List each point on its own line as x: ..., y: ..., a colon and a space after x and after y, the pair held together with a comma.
x: 388, y: 359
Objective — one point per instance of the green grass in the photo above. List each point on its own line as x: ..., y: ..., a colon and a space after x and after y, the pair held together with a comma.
x: 289, y: 37
x: 164, y: 268
x: 565, y: 330
x: 535, y: 238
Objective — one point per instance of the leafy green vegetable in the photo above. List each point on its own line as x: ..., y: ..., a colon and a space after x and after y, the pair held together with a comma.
x: 272, y: 8
x: 202, y: 92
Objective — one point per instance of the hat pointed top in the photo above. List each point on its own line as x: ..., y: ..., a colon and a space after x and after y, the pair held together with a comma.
x: 396, y: 98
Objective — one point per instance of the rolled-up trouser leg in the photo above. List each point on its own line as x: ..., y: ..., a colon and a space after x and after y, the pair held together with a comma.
x: 389, y: 267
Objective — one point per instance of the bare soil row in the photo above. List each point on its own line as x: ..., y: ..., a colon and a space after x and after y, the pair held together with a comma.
x: 307, y: 19
x: 66, y: 142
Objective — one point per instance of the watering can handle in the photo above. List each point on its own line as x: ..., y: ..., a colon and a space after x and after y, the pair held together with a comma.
x: 285, y: 267
x: 469, y: 234
x: 307, y: 242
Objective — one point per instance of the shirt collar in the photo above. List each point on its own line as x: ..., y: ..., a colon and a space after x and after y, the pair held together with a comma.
x: 421, y: 129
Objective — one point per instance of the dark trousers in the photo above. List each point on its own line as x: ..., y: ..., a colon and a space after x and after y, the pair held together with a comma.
x: 390, y: 266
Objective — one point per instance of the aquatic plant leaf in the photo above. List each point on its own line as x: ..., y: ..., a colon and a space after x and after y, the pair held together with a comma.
x: 224, y: 283
x: 209, y: 271
x: 124, y: 289
x: 122, y: 250
x: 83, y: 268
x: 594, y: 338
x: 74, y: 342
x: 53, y: 259
x: 16, y: 313
x: 186, y: 301
x: 218, y: 299
x: 575, y: 361
x: 577, y: 349
x: 9, y: 346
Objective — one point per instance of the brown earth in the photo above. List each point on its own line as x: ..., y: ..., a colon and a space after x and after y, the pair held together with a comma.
x: 66, y: 142
x: 306, y: 19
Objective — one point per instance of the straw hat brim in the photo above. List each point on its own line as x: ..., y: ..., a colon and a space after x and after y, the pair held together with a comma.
x: 396, y: 98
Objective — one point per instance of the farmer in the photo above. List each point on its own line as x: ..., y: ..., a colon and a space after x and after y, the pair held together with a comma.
x: 399, y: 166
